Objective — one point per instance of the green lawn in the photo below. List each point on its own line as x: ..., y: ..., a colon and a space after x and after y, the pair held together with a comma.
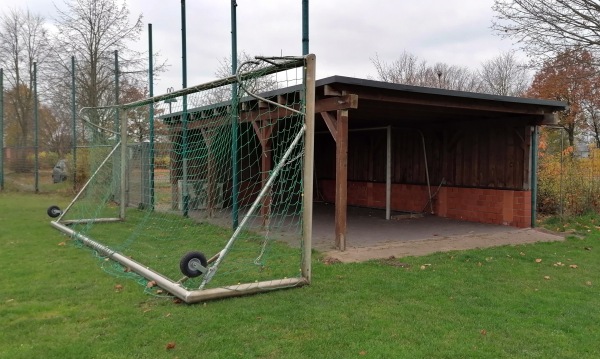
x: 56, y: 301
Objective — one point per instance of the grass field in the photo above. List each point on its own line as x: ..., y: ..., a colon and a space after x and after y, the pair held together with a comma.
x: 530, y: 301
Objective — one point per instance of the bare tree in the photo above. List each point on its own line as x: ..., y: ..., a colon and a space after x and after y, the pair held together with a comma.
x: 550, y: 27
x: 504, y: 75
x: 23, y: 41
x: 92, y: 30
x: 408, y: 69
x: 453, y: 77
x: 257, y: 85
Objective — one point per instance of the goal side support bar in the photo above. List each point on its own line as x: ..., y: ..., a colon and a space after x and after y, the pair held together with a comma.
x: 174, y: 288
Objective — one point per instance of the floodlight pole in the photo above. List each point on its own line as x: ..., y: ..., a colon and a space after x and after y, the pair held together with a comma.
x: 185, y: 195
x: 234, y: 119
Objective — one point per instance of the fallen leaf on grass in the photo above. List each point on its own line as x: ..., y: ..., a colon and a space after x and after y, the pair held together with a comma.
x: 546, y: 277
x: 177, y: 301
x: 362, y: 352
x: 573, y: 266
x: 588, y: 282
x: 538, y: 260
x: 151, y: 284
x: 521, y: 253
x: 62, y: 244
x: 330, y: 260
x: 483, y: 332
x: 127, y: 269
x: 587, y: 248
x: 118, y: 287
x: 559, y: 264
x: 171, y: 345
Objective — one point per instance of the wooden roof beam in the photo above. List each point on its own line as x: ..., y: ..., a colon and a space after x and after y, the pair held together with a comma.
x: 453, y: 102
x: 336, y: 103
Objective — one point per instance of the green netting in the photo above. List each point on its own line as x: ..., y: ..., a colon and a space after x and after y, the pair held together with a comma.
x: 188, y: 180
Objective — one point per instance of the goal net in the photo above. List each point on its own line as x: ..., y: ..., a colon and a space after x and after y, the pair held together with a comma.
x: 204, y: 192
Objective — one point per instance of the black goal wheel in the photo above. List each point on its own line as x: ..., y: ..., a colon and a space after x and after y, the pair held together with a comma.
x: 189, y: 262
x: 54, y: 211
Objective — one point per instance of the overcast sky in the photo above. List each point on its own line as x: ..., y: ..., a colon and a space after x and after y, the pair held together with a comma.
x: 344, y: 34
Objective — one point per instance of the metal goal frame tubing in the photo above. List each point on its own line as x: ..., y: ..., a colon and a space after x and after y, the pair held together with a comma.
x: 175, y: 288
x: 87, y: 183
x: 307, y: 131
x: 212, y: 270
x: 309, y: 149
x: 308, y: 62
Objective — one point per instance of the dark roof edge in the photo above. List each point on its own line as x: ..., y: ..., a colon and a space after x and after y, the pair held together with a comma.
x: 558, y: 105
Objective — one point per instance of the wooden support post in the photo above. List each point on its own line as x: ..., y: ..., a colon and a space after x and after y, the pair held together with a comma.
x: 341, y: 179
x: 264, y: 136
x: 211, y: 178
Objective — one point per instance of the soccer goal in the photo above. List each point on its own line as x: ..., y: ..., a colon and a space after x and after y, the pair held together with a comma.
x: 205, y: 192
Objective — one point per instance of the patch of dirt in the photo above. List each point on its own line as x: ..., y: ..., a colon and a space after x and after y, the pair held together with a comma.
x: 388, y: 252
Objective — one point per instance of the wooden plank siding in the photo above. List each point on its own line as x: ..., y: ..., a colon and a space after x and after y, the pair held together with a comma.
x: 464, y: 156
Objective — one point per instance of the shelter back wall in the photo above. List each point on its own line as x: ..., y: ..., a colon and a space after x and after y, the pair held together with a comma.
x: 466, y: 159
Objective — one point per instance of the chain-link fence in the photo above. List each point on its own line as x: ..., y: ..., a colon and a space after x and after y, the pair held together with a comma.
x: 569, y: 182
x: 32, y: 169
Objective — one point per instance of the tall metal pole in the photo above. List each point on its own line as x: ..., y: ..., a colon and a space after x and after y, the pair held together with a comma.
x: 234, y: 120
x: 117, y: 121
x: 117, y: 118
x: 123, y: 168
x: 1, y: 129
x: 151, y: 114
x: 184, y: 134
x: 304, y: 27
x: 36, y: 129
x: 534, y: 165
x: 73, y: 121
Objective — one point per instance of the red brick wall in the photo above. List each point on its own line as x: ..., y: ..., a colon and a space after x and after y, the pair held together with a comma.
x: 506, y: 207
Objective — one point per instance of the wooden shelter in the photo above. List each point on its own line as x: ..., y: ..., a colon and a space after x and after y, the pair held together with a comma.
x: 455, y: 154
x: 460, y: 155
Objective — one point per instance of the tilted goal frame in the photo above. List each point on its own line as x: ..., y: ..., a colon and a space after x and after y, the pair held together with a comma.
x: 307, y: 63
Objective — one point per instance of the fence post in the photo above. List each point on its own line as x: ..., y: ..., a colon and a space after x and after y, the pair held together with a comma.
x: 36, y: 130
x: 150, y: 201
x: 73, y: 120
x: 1, y: 129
